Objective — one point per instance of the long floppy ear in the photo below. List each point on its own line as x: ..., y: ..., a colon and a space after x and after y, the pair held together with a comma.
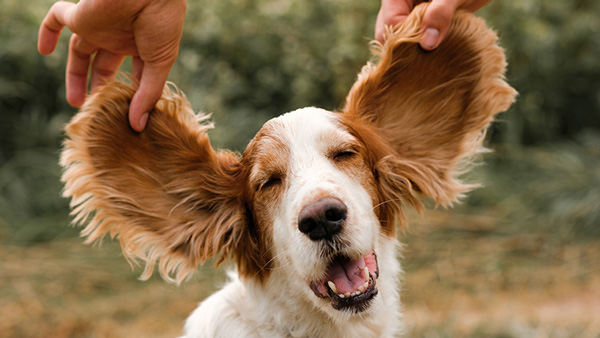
x: 432, y: 108
x: 164, y: 193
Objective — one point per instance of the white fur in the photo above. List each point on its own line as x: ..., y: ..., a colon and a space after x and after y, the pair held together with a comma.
x: 284, y: 306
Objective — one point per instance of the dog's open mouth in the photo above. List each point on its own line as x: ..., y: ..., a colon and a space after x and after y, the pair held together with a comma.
x: 350, y: 284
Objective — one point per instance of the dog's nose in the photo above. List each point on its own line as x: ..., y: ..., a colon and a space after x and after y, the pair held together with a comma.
x: 322, y: 219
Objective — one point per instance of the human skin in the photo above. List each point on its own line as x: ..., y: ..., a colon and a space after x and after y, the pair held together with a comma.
x: 107, y: 31
x: 435, y: 23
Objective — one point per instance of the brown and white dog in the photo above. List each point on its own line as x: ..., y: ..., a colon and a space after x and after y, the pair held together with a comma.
x: 308, y: 213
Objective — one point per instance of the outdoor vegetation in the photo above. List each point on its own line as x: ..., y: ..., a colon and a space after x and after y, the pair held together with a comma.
x: 520, y: 258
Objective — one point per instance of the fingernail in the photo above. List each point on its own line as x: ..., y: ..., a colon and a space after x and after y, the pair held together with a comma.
x: 143, y: 120
x: 430, y: 38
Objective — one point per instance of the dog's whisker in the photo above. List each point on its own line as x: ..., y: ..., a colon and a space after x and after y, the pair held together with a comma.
x: 271, y: 260
x: 385, y: 202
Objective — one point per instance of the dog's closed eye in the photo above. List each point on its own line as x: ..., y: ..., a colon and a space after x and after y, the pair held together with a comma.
x: 269, y: 182
x: 343, y: 155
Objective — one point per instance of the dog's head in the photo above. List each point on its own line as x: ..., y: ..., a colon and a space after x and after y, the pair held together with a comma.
x: 316, y: 195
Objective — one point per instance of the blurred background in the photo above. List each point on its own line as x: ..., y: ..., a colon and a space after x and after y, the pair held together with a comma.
x: 520, y: 258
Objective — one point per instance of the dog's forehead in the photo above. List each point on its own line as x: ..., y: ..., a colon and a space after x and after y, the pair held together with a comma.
x: 294, y: 135
x: 302, y: 130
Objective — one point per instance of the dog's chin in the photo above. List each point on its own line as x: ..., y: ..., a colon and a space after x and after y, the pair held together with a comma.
x: 350, y: 284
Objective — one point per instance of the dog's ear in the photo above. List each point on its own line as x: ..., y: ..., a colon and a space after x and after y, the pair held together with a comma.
x: 164, y: 193
x: 432, y: 107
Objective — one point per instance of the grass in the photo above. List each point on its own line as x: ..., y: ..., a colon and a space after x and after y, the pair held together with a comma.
x: 521, y: 258
x: 465, y: 277
x: 67, y: 289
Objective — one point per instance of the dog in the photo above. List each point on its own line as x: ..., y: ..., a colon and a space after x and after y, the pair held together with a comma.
x: 309, y: 212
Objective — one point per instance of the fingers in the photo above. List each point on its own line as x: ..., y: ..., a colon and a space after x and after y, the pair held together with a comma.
x: 104, y: 67
x: 472, y: 5
x: 436, y: 22
x: 78, y: 62
x: 151, y: 84
x: 136, y: 67
x: 58, y: 16
x: 438, y: 17
x: 158, y: 34
x: 391, y: 12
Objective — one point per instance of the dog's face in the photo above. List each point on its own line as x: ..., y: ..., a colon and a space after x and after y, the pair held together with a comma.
x: 315, y: 194
x: 313, y: 201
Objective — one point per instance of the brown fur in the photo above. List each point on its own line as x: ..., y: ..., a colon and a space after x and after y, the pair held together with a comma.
x: 170, y: 198
x: 164, y: 193
x: 431, y: 107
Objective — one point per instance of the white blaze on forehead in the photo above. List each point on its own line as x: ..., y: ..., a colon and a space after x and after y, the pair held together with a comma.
x: 310, y: 132
x: 297, y: 138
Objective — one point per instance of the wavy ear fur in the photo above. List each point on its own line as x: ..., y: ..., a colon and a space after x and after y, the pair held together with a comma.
x: 171, y: 199
x: 164, y: 193
x: 431, y: 107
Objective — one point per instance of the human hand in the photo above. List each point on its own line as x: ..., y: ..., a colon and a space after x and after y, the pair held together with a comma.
x: 436, y: 20
x: 107, y: 31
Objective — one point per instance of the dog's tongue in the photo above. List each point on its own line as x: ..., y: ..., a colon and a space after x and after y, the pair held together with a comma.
x: 347, y: 275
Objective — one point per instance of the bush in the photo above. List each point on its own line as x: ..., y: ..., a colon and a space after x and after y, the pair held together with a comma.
x: 553, y: 50
x: 249, y: 60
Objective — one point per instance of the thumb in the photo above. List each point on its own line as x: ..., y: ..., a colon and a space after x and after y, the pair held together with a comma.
x: 152, y: 80
x: 436, y: 21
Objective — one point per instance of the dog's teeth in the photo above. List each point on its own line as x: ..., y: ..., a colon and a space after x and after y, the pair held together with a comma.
x: 332, y: 286
x: 360, y: 290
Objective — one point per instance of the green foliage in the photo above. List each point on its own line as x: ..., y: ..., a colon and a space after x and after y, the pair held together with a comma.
x: 32, y: 113
x: 553, y: 190
x: 249, y: 60
x: 553, y: 53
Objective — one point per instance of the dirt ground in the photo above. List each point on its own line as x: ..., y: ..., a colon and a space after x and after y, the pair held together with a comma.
x: 464, y: 278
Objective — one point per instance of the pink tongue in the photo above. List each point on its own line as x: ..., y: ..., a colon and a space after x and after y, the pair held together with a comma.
x: 347, y: 275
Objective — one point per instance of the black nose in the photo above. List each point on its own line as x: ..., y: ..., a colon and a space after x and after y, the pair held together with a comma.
x: 322, y: 219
